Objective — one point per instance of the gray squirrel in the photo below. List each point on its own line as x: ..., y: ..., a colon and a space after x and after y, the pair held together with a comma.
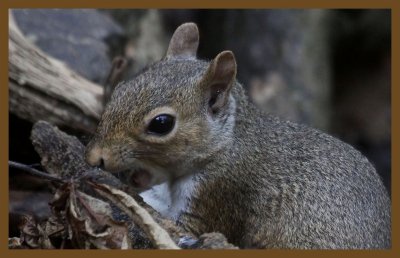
x: 183, y: 133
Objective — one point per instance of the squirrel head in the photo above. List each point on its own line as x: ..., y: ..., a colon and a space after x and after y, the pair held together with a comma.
x: 170, y: 119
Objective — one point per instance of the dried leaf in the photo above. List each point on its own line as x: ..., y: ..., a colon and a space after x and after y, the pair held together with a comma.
x: 90, y: 220
x: 53, y: 226
x: 159, y: 237
x: 15, y: 243
x: 59, y: 202
x: 32, y: 234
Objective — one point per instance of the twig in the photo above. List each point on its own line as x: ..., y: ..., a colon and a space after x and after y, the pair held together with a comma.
x: 35, y: 172
x: 35, y: 165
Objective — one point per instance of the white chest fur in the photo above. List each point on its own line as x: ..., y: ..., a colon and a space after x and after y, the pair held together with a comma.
x: 171, y: 199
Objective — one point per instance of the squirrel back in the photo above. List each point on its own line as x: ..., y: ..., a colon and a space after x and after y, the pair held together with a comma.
x: 184, y: 134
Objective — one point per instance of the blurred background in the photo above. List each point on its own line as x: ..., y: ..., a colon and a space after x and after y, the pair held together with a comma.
x: 329, y: 69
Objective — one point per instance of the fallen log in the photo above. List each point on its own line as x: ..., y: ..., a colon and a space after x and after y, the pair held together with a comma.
x: 44, y: 88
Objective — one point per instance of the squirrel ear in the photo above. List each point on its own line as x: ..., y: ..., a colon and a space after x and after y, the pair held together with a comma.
x: 219, y: 79
x: 184, y: 42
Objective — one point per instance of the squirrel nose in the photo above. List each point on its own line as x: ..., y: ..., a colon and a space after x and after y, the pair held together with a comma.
x: 99, y: 163
x: 94, y: 157
x: 101, y: 158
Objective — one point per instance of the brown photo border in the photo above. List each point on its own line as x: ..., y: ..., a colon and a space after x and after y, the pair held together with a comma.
x: 394, y: 5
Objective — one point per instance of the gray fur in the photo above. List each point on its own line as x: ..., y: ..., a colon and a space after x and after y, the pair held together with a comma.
x: 184, y: 42
x: 261, y: 181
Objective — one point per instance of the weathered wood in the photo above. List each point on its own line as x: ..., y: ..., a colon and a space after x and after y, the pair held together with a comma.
x: 62, y: 154
x: 43, y: 88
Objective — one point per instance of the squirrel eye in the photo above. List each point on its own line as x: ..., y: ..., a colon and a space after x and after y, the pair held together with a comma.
x: 161, y: 124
